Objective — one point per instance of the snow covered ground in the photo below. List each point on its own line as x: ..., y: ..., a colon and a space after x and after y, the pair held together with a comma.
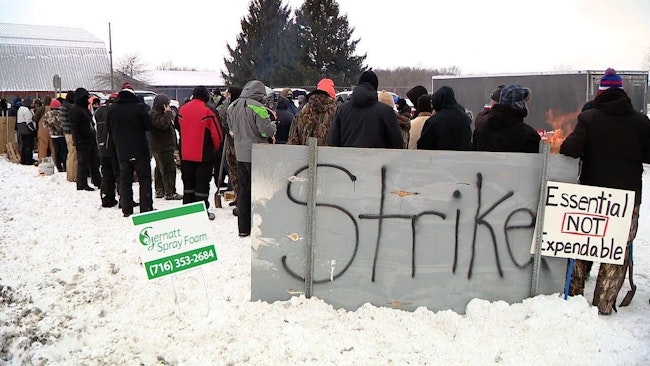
x: 73, y: 292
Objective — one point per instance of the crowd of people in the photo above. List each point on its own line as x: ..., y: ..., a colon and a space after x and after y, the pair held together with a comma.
x: 113, y: 144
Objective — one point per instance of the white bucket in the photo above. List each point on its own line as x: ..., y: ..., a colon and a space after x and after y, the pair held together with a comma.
x: 46, y: 167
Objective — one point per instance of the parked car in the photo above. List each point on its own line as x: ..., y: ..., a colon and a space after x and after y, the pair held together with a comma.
x: 150, y: 95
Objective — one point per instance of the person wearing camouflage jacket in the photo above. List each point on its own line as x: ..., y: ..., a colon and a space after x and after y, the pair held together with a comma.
x: 313, y: 120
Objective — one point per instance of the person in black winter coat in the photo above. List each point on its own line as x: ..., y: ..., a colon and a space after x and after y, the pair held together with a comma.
x: 80, y: 120
x: 285, y: 118
x: 128, y: 122
x: 449, y: 128
x: 613, y: 141
x: 503, y: 128
x: 363, y: 121
x: 109, y: 166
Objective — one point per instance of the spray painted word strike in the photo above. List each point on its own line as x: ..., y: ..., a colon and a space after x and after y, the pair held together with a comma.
x: 398, y: 228
x: 586, y: 222
x: 174, y: 240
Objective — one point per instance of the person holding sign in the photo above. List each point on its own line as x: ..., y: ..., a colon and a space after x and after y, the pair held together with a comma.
x: 613, y: 141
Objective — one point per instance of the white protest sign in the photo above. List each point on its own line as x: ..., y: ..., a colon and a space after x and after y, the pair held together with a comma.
x: 174, y: 240
x: 586, y: 222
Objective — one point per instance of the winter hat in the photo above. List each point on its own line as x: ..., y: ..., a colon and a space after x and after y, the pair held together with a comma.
x: 327, y: 85
x: 201, y: 93
x: 515, y: 96
x: 386, y: 98
x: 128, y: 87
x: 415, y: 92
x: 496, y: 93
x: 160, y: 101
x: 610, y: 80
x: 55, y: 104
x: 424, y: 104
x: 401, y: 103
x: 371, y: 78
x: 27, y: 102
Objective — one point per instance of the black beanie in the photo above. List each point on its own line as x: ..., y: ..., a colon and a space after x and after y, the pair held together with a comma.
x: 369, y: 77
x: 201, y: 93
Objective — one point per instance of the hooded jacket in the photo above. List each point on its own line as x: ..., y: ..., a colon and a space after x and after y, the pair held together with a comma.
x: 102, y: 132
x: 364, y: 122
x: 449, y: 128
x: 285, y: 119
x: 162, y: 136
x: 504, y: 130
x: 127, y: 121
x: 612, y: 140
x: 201, y: 133
x: 81, y: 120
x: 249, y: 120
x: 313, y: 120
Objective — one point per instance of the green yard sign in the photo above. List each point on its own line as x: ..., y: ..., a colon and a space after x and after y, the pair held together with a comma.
x: 174, y: 240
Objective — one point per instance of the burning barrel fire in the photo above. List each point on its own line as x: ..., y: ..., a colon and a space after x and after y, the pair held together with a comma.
x: 562, y: 124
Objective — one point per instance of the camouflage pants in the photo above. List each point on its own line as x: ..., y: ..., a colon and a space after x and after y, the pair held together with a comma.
x: 232, y: 163
x: 610, y: 276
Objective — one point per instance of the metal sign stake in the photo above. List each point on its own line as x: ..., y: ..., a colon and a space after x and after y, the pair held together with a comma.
x: 539, y: 227
x: 311, y: 217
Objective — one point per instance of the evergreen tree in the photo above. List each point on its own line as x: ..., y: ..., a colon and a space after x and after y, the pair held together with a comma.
x: 325, y: 44
x: 263, y: 51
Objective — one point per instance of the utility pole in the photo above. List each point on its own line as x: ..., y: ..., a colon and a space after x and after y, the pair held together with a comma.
x: 110, y: 53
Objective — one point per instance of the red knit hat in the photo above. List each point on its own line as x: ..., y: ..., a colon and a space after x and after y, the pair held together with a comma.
x: 55, y: 104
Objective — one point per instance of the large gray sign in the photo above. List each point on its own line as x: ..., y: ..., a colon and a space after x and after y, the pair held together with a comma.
x: 400, y: 228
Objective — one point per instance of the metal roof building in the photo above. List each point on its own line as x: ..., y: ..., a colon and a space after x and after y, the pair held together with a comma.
x: 180, y: 84
x: 30, y: 56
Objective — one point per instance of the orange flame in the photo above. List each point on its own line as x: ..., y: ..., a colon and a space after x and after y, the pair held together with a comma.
x: 562, y: 124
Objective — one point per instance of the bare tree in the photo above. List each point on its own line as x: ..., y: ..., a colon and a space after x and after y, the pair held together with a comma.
x: 171, y: 66
x: 132, y: 66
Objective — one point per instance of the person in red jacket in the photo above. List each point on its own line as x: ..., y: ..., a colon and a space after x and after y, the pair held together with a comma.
x: 200, y: 139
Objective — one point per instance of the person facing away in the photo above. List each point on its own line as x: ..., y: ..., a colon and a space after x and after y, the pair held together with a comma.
x: 232, y: 93
x: 201, y: 138
x: 128, y: 122
x: 503, y: 128
x: 26, y: 129
x: 71, y: 159
x: 45, y: 143
x: 494, y: 99
x: 315, y: 118
x: 612, y: 141
x: 250, y: 123
x: 403, y: 121
x: 109, y: 166
x: 53, y: 124
x: 80, y: 120
x: 363, y: 121
x: 449, y: 128
x: 285, y: 118
x: 424, y: 110
x: 414, y: 95
x: 162, y: 141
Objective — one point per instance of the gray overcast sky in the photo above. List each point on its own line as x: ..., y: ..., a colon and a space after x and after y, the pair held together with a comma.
x: 497, y: 36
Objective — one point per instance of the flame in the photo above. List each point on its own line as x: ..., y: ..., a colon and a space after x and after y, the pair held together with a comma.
x: 562, y: 124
